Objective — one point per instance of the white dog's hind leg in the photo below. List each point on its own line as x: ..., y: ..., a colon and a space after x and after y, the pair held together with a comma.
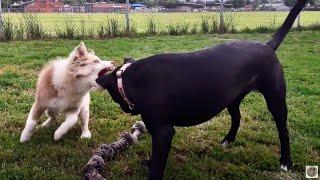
x: 31, y: 123
x: 51, y: 118
x: 71, y: 120
x: 84, y: 115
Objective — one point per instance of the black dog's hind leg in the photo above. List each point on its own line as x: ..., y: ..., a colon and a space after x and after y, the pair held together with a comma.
x: 161, y: 143
x: 278, y: 109
x: 274, y: 92
x: 235, y: 119
x: 234, y: 111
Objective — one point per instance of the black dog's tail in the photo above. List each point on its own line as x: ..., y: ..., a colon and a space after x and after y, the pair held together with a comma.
x: 279, y: 36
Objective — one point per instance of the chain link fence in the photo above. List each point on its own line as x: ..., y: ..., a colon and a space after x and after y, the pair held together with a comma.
x: 103, y: 20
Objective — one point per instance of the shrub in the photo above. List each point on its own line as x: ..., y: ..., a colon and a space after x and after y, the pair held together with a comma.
x: 114, y: 27
x: 214, y: 28
x: 130, y: 30
x: 314, y: 27
x: 194, y: 29
x: 311, y: 27
x: 34, y: 29
x: 205, y: 27
x: 177, y: 30
x: 83, y: 29
x: 152, y: 27
x: 20, y: 30
x: 274, y: 22
x: 228, y: 25
x: 67, y: 31
x: 172, y: 30
x: 263, y: 29
x: 102, y: 31
x: 7, y: 32
x: 184, y: 29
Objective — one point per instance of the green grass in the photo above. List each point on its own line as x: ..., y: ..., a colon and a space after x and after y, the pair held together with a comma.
x: 92, y: 21
x: 195, y: 153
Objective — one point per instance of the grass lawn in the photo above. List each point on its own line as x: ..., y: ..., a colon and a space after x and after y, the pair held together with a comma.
x: 195, y: 153
x: 92, y: 22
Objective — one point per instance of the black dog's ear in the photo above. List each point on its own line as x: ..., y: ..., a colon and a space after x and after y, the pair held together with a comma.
x: 128, y: 60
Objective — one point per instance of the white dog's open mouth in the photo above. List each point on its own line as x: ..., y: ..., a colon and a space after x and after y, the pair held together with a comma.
x: 104, y: 71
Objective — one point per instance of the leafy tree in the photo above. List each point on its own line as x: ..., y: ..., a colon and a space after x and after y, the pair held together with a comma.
x: 68, y: 1
x: 124, y: 1
x: 73, y: 2
x: 314, y: 2
x: 5, y: 3
x: 290, y: 3
x: 238, y: 3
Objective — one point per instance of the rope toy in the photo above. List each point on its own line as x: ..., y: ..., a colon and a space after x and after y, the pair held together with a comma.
x: 106, y: 152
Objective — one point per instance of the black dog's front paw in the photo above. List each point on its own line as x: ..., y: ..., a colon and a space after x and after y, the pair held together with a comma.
x: 286, y: 165
x: 153, y: 175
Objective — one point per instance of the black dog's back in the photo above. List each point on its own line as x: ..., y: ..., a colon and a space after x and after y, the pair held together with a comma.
x: 200, y: 84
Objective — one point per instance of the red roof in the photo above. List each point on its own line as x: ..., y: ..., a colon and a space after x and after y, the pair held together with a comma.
x: 43, y: 6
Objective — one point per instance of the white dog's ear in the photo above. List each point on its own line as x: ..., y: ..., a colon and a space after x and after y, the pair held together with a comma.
x: 91, y: 51
x: 79, y: 52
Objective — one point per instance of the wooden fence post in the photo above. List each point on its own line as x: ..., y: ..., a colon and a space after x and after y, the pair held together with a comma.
x: 221, y: 17
x: 127, y: 17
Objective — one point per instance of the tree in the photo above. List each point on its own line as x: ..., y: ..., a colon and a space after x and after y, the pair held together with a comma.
x: 124, y: 1
x: 68, y: 1
x: 5, y: 3
x: 238, y: 3
x: 314, y: 2
x: 73, y: 2
x: 290, y: 3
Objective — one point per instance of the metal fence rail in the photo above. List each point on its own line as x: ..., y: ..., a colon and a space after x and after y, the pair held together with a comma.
x: 178, y: 20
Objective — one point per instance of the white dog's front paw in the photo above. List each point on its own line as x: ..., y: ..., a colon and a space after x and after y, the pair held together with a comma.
x: 25, y: 136
x: 86, y: 134
x: 28, y: 131
x: 57, y: 135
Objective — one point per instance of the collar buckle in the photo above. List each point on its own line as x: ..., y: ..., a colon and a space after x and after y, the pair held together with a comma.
x: 119, y: 73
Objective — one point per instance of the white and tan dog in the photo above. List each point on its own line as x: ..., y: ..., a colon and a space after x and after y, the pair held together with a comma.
x: 63, y: 87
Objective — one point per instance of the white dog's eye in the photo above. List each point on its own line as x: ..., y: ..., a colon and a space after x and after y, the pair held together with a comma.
x: 96, y: 61
x: 83, y: 64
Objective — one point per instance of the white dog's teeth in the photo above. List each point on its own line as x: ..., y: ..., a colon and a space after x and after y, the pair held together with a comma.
x: 284, y: 168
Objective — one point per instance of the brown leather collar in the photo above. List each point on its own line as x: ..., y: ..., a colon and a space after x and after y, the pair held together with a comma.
x: 119, y: 75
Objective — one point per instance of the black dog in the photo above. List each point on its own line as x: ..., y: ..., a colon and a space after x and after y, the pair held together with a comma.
x: 186, y: 89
